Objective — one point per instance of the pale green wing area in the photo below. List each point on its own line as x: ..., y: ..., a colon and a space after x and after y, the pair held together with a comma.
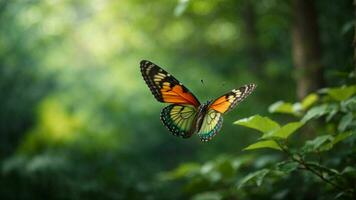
x: 179, y: 119
x: 211, y: 125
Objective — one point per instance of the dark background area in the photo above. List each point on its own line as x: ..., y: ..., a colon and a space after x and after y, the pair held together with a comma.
x: 77, y: 120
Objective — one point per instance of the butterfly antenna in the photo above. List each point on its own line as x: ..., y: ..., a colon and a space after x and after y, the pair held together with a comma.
x: 223, y: 86
x: 202, y: 82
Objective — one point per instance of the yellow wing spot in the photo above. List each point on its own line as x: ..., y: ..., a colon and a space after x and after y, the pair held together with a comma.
x: 238, y: 93
x: 176, y: 108
x: 148, y: 69
x: 158, y: 77
x: 231, y: 98
x: 212, y: 115
x: 156, y: 80
x: 165, y: 87
x: 185, y: 109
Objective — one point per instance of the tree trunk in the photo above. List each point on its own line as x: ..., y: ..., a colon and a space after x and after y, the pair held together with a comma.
x: 306, y: 47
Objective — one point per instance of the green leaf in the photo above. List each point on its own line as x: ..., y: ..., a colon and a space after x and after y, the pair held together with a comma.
x: 265, y: 160
x: 280, y: 194
x: 345, y: 122
x: 181, y: 7
x: 263, y: 144
x: 208, y: 196
x: 342, y: 136
x: 284, y: 132
x: 287, y: 166
x: 309, y: 101
x: 349, y: 104
x: 341, y: 93
x: 340, y: 195
x: 322, y: 168
x: 317, y: 112
x: 315, y: 144
x: 263, y: 124
x: 183, y: 170
x: 338, y: 138
x: 281, y: 107
x: 333, y: 111
x: 294, y: 109
x: 349, y: 170
x: 255, y: 177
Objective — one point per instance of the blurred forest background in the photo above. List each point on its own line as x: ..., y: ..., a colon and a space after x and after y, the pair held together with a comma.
x: 78, y: 122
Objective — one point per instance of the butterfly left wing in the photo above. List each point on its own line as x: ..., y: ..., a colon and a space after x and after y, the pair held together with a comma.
x: 164, y: 87
x: 229, y: 100
x: 179, y: 119
x: 211, y: 125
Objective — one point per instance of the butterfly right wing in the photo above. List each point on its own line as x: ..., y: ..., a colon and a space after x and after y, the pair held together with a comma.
x: 179, y: 119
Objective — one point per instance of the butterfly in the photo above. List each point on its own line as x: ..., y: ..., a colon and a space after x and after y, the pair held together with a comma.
x: 186, y: 115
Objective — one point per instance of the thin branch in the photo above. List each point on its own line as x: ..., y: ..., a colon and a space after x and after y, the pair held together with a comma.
x: 305, y: 166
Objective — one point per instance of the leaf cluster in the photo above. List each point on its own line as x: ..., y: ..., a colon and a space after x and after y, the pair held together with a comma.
x: 316, y: 147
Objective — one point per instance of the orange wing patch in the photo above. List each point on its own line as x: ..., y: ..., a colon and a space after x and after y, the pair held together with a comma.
x: 229, y: 101
x: 221, y: 105
x: 164, y: 87
x: 177, y: 95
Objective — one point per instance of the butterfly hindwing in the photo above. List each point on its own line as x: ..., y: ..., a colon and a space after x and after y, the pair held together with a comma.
x: 164, y: 86
x: 211, y: 125
x: 229, y: 100
x: 179, y: 119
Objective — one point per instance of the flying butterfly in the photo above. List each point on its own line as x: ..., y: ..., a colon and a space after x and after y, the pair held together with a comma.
x: 186, y: 116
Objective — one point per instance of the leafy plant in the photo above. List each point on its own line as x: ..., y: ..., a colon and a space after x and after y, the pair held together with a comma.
x: 324, y: 161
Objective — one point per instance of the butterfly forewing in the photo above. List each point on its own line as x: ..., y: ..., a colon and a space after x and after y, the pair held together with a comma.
x: 164, y: 87
x: 229, y: 100
x: 179, y: 119
x: 186, y: 116
x: 211, y: 125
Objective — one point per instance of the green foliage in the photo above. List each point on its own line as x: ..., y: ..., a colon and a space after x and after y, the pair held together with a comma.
x: 296, y: 108
x: 263, y: 144
x: 181, y: 7
x: 285, y: 131
x: 78, y: 122
x: 283, y: 107
x: 325, y: 142
x: 323, y: 161
x: 320, y: 143
x: 319, y: 111
x: 316, y: 145
x: 263, y: 124
x: 255, y: 177
x: 345, y: 121
x: 341, y: 93
x: 271, y: 130
x: 186, y: 169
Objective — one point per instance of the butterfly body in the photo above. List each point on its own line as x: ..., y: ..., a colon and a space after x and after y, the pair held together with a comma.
x: 202, y: 110
x: 186, y: 116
